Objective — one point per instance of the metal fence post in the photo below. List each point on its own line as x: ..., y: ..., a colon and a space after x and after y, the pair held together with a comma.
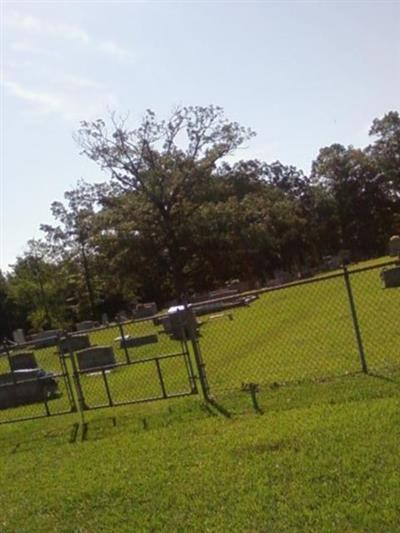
x: 66, y: 376
x: 198, y: 356
x: 123, y: 340
x: 78, y: 387
x: 354, y: 317
x: 5, y: 346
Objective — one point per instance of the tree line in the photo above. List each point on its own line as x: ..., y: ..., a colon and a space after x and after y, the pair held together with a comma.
x: 176, y: 216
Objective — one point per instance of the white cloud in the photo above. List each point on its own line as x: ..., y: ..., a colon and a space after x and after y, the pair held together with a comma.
x: 43, y: 85
x: 81, y: 83
x: 30, y: 24
x: 28, y: 47
x: 73, y: 100
x: 113, y: 49
x: 27, y: 24
x: 45, y: 101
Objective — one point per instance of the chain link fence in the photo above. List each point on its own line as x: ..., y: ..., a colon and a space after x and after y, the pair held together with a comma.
x: 132, y: 361
x: 34, y: 383
x: 123, y: 363
x: 337, y: 324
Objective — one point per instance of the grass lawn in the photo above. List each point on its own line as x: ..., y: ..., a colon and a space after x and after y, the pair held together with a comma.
x: 322, y: 458
x: 297, y: 333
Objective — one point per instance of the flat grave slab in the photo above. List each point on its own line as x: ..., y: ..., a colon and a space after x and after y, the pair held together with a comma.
x: 135, y: 342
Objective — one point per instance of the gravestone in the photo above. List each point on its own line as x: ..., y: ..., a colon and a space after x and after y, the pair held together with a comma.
x: 135, y: 342
x: 96, y: 357
x: 74, y: 343
x: 222, y: 293
x: 145, y: 310
x: 19, y: 336
x: 26, y: 387
x: 394, y: 246
x: 122, y: 316
x: 165, y: 322
x: 104, y: 319
x: 47, y: 338
x: 87, y: 324
x: 391, y: 275
x: 183, y: 322
x: 23, y: 360
x: 157, y: 321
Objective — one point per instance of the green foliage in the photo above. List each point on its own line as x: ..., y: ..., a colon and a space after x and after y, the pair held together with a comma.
x: 176, y: 217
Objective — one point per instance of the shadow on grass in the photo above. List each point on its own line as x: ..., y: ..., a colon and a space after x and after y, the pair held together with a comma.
x: 287, y: 396
x: 26, y: 441
x: 32, y: 436
x: 218, y: 407
x: 26, y: 437
x: 384, y: 378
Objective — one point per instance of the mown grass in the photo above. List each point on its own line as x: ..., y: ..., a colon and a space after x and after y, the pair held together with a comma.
x: 294, y: 334
x: 322, y: 458
x: 305, y: 332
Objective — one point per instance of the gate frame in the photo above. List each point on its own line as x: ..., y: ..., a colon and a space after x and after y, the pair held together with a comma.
x: 185, y: 354
x: 63, y: 375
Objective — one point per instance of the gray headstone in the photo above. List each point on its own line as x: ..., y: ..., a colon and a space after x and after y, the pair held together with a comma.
x: 96, y: 357
x: 391, y: 277
x: 183, y: 324
x: 145, y: 310
x: 166, y: 324
x: 74, y: 343
x: 24, y: 360
x: 47, y: 334
x: 47, y: 338
x: 394, y: 245
x: 21, y: 388
x: 19, y: 336
x: 122, y: 315
x: 104, y: 319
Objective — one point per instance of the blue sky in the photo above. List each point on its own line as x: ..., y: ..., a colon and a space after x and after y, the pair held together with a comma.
x: 302, y: 74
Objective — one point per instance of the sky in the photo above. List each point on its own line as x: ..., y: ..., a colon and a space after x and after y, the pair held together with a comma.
x: 303, y: 75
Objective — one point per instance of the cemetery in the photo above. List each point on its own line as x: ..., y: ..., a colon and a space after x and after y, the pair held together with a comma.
x: 144, y: 310
x: 131, y: 342
x: 391, y: 275
x: 234, y: 339
x: 200, y: 300
x: 26, y: 386
x: 287, y: 360
x: 73, y: 343
x: 96, y: 358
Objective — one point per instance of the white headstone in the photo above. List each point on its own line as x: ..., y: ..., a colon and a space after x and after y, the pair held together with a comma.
x: 19, y: 336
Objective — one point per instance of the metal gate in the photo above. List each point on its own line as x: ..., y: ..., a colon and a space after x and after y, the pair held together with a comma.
x: 128, y: 362
x: 34, y: 383
x: 152, y: 359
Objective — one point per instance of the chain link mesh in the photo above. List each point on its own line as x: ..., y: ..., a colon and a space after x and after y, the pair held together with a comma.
x: 304, y: 331
x: 309, y: 331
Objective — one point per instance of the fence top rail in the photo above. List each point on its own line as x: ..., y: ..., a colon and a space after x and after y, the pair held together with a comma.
x: 9, y: 346
x: 373, y: 267
x: 35, y: 379
x: 317, y: 279
x: 107, y: 368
